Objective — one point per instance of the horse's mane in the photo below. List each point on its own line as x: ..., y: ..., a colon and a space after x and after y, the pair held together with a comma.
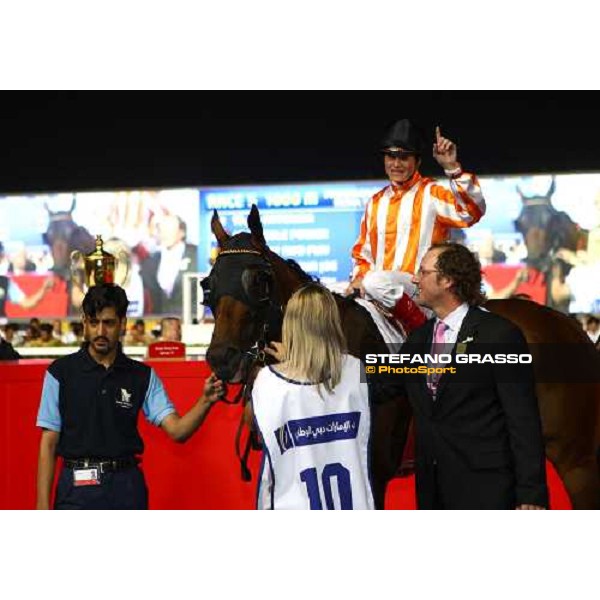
x: 304, y: 276
x: 243, y: 241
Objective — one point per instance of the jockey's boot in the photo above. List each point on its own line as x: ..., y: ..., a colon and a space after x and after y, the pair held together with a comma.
x: 407, y: 311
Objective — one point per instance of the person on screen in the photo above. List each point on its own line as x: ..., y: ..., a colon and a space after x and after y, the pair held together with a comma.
x: 127, y: 274
x: 20, y: 264
x: 89, y: 411
x: 11, y: 292
x: 312, y: 412
x: 162, y: 272
x: 403, y: 219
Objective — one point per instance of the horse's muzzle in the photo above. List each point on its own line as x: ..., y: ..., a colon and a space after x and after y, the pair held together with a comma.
x: 226, y: 362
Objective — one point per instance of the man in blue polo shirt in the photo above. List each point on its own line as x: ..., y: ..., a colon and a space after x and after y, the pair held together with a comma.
x: 88, y: 414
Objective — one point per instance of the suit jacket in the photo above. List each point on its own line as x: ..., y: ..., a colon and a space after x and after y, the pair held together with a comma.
x: 479, y: 442
x: 158, y: 302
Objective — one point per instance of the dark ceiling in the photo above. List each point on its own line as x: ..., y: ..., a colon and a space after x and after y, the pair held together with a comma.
x: 105, y: 140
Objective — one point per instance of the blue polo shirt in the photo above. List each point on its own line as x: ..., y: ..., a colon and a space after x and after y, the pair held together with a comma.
x: 96, y: 409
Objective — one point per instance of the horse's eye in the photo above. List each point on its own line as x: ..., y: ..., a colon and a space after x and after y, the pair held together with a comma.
x: 263, y: 286
x: 256, y: 284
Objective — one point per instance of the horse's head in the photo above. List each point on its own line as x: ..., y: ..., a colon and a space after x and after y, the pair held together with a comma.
x: 244, y: 297
x: 540, y: 224
x: 64, y: 235
x: 546, y: 230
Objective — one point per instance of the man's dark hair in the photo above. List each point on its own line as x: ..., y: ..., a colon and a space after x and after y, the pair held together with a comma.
x: 46, y: 328
x: 592, y: 320
x: 100, y: 297
x: 76, y: 328
x: 458, y: 263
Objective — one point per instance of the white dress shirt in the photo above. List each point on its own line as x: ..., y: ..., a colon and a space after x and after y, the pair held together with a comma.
x: 169, y: 266
x: 454, y: 321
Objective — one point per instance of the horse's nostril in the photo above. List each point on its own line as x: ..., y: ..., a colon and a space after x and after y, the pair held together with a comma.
x: 224, y: 360
x: 232, y: 355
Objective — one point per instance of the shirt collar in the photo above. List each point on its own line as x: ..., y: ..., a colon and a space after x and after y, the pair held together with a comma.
x: 456, y: 317
x: 89, y: 364
x: 407, y: 184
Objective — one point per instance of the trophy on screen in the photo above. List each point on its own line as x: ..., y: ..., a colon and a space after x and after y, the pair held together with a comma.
x: 98, y: 267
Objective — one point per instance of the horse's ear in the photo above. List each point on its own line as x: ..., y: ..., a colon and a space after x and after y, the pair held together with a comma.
x: 552, y: 188
x: 520, y: 192
x: 73, y: 203
x: 255, y: 226
x: 216, y: 227
x: 50, y: 213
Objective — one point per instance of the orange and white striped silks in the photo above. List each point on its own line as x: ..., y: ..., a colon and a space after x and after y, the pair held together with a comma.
x: 401, y: 222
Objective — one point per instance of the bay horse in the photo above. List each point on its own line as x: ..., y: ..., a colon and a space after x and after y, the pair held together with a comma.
x: 249, y: 287
x: 546, y: 230
x: 63, y: 236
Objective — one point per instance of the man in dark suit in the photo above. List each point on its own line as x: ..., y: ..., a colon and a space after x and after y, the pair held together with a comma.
x: 478, y: 432
x: 162, y: 272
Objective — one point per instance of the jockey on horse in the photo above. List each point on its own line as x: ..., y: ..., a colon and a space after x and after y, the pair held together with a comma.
x: 405, y: 218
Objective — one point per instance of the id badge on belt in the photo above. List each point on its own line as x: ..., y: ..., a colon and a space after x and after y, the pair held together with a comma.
x: 86, y: 477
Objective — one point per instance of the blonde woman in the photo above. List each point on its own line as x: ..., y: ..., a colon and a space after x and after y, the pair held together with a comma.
x: 312, y: 411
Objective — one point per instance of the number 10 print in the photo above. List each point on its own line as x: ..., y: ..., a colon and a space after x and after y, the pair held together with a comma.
x: 337, y: 470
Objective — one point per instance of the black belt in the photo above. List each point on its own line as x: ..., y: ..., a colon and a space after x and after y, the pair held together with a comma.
x: 103, y: 464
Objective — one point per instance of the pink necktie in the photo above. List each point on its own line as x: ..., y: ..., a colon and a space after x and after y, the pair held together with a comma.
x: 439, y: 334
x: 437, y: 348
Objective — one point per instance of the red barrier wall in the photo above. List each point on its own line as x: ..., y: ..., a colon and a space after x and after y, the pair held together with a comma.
x: 203, y: 473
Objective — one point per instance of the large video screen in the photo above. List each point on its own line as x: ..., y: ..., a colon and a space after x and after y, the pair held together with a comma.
x: 315, y: 224
x: 540, y: 238
x: 154, y: 235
